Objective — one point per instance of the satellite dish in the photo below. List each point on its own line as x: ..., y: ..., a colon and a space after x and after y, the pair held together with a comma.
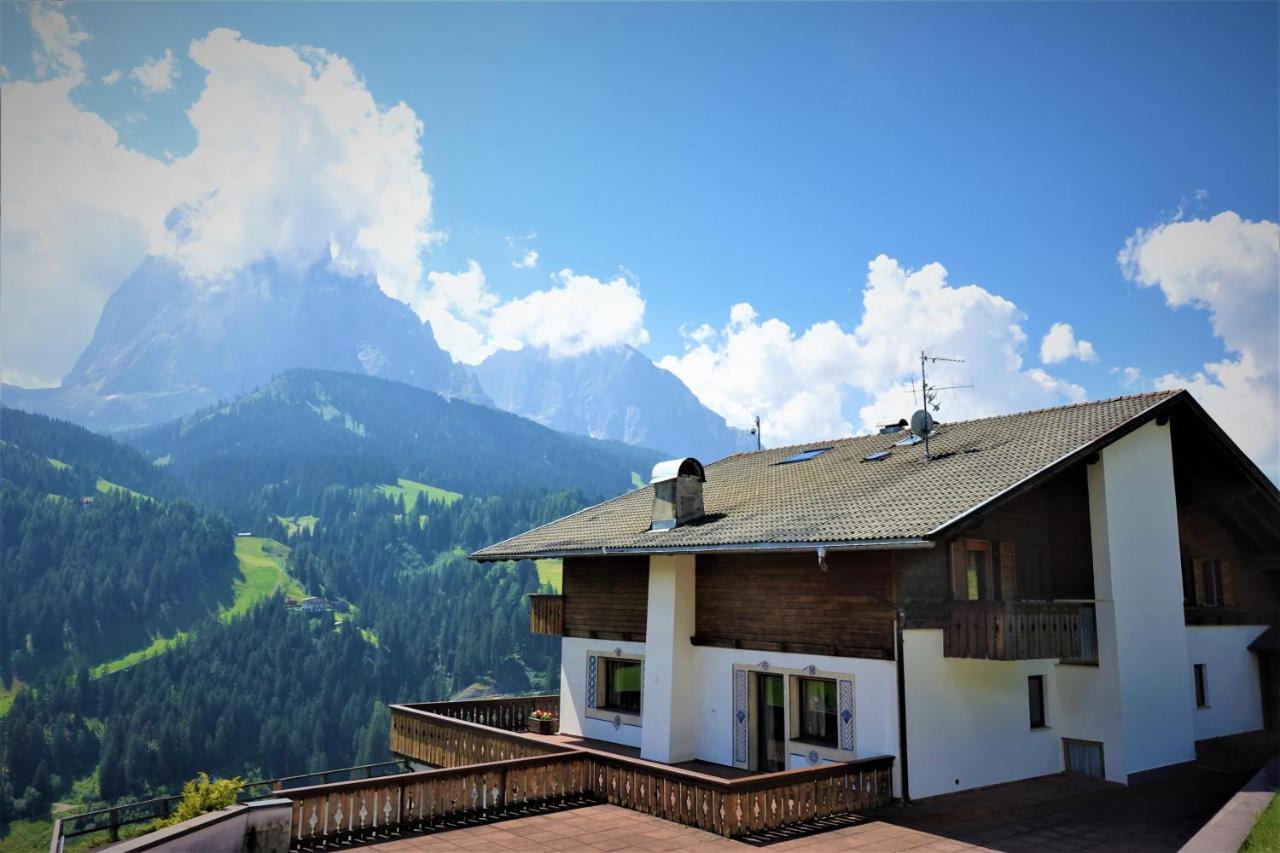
x: 922, y: 423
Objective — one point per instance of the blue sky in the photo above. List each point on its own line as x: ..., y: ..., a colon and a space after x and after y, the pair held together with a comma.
x: 762, y: 153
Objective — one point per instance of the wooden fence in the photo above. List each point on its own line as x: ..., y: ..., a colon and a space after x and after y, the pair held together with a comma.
x: 1018, y: 630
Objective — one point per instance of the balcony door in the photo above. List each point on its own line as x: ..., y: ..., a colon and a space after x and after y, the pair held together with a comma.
x: 771, y: 725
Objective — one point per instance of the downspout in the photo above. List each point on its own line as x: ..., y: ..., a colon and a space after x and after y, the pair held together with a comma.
x: 899, y: 617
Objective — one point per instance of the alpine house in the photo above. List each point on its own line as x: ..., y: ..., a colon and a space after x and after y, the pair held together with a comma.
x: 1069, y: 589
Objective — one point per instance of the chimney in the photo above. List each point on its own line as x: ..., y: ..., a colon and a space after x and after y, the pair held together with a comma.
x: 677, y: 492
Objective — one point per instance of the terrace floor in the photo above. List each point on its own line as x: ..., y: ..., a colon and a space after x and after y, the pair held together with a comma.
x: 1053, y: 813
x: 706, y: 768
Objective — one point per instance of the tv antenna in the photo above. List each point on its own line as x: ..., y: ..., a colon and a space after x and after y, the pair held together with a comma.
x: 922, y: 419
x: 755, y: 430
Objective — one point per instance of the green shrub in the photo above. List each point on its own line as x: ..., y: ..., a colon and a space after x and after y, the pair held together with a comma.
x: 201, y: 795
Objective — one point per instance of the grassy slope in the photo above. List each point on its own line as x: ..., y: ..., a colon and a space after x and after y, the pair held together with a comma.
x: 296, y: 523
x: 106, y: 486
x: 262, y: 573
x: 409, y: 490
x: 7, y: 695
x: 637, y: 480
x: 551, y: 572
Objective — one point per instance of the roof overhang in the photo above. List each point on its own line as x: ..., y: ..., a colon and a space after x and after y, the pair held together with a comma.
x: 734, y: 548
x: 1160, y: 409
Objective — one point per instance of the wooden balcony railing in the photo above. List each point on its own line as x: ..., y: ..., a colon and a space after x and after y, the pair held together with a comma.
x: 1021, y: 630
x: 329, y: 815
x: 546, y: 614
x: 728, y: 807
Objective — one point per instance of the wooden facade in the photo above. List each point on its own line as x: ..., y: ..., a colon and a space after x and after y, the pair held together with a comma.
x: 606, y: 598
x: 788, y: 603
x: 546, y: 614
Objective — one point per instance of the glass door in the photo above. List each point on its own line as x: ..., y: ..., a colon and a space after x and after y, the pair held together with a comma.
x: 771, y: 726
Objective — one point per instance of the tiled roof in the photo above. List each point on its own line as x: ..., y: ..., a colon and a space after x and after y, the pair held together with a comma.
x: 757, y: 499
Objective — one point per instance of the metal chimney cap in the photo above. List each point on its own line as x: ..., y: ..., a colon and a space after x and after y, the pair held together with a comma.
x: 672, y: 468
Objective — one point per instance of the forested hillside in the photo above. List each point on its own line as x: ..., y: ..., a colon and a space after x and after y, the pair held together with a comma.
x: 307, y: 430
x: 365, y: 492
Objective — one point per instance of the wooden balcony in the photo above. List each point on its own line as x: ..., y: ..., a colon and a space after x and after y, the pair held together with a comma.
x: 1021, y: 630
x: 546, y: 614
x: 506, y: 769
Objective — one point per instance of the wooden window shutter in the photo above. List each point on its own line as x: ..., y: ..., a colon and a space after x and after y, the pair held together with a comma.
x: 1008, y: 571
x: 1224, y: 579
x: 1197, y: 578
x: 959, y: 575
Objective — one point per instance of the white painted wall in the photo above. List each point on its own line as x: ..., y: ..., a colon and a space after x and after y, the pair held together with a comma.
x: 573, y: 691
x: 1233, y: 690
x: 670, y: 673
x: 875, y: 692
x: 1141, y: 564
x: 969, y: 722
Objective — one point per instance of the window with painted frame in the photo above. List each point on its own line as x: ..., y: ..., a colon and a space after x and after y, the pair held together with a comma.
x: 818, y: 711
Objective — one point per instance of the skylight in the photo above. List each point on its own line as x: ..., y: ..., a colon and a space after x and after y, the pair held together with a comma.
x: 909, y: 440
x: 877, y: 456
x: 804, y: 455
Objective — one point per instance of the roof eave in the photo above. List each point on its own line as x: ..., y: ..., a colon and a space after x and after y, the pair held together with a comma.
x: 731, y: 548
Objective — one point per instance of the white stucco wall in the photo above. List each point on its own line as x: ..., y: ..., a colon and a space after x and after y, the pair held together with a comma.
x: 573, y: 691
x: 670, y: 675
x: 1136, y: 552
x: 1233, y: 691
x: 874, y: 697
x: 968, y: 721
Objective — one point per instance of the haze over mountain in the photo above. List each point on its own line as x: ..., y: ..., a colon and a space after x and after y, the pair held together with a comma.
x: 165, y: 346
x: 613, y: 392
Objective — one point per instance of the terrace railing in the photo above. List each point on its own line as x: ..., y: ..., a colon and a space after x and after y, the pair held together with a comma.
x: 110, y: 819
x: 728, y: 807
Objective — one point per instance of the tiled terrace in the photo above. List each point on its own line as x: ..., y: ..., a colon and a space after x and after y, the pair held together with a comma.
x: 1053, y: 813
x: 607, y: 827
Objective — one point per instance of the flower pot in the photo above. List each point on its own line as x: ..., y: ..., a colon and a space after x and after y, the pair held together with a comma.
x: 543, y: 727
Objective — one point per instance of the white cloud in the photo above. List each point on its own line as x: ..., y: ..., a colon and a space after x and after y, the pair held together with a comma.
x: 154, y: 76
x: 111, y: 78
x: 804, y: 384
x: 581, y: 313
x: 1130, y: 378
x: 527, y: 262
x: 1060, y: 344
x: 1229, y: 267
x: 294, y: 160
x: 56, y: 53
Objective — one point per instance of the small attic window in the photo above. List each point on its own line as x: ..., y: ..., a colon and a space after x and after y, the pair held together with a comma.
x: 877, y: 456
x: 804, y: 455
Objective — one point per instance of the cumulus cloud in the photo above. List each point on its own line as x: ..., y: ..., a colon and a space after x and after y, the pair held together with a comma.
x: 58, y: 39
x: 112, y: 77
x: 154, y: 76
x: 527, y: 262
x: 1060, y: 344
x: 808, y: 385
x: 579, y: 314
x: 1130, y: 378
x: 1229, y: 267
x: 294, y: 160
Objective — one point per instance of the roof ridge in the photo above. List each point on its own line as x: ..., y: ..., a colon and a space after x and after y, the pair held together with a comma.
x: 1065, y: 406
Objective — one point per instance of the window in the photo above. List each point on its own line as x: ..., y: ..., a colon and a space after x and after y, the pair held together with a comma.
x: 1202, y: 695
x: 803, y: 455
x: 976, y: 572
x: 1212, y: 571
x: 1035, y: 696
x: 621, y: 685
x: 818, y: 711
x: 1084, y: 757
